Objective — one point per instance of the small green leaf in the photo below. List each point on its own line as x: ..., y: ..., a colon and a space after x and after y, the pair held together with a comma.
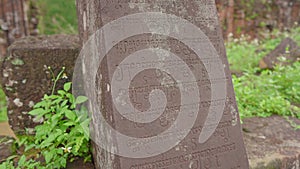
x: 29, y: 147
x: 70, y: 115
x: 81, y: 99
x: 61, y: 92
x: 48, y: 156
x: 44, y: 144
x: 79, y: 141
x: 64, y: 103
x: 36, y: 112
x: 22, y: 160
x: 85, y: 126
x: 70, y: 123
x: 60, y: 151
x: 63, y: 162
x: 71, y: 97
x: 3, y: 166
x: 67, y: 86
x: 40, y: 104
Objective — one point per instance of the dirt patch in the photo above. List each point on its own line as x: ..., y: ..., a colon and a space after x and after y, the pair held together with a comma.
x: 272, y: 143
x: 5, y: 130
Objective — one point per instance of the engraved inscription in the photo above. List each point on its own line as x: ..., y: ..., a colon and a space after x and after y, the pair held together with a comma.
x: 160, y: 86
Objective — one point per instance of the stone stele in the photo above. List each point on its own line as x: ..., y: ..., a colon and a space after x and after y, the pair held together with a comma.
x: 159, y: 85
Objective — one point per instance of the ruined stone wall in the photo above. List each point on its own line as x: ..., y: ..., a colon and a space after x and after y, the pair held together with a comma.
x: 13, y: 22
x: 251, y: 17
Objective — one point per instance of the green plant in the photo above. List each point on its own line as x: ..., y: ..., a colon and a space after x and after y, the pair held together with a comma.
x: 3, y: 111
x: 262, y: 93
x: 272, y: 92
x: 250, y: 52
x: 242, y: 51
x: 63, y: 135
x: 57, y: 16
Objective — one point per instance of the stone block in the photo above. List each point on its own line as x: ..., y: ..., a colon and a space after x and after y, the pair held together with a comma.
x: 26, y: 77
x: 5, y: 148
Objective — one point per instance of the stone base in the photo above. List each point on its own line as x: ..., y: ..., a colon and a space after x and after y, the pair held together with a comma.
x: 5, y: 147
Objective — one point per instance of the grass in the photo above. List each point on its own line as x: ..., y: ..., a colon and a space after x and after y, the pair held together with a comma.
x: 57, y: 16
x: 251, y: 52
x: 270, y: 92
x: 273, y: 92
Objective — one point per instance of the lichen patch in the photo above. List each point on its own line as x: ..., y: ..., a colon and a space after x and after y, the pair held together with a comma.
x: 18, y: 103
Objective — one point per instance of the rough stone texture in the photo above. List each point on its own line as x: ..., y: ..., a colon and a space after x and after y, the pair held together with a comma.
x: 225, y: 149
x: 253, y: 17
x: 237, y: 16
x: 272, y: 143
x: 13, y: 22
x: 288, y: 50
x: 5, y: 148
x: 26, y: 77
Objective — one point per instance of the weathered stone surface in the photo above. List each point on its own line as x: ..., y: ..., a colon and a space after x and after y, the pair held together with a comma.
x: 13, y: 23
x: 5, y: 148
x: 288, y: 50
x: 165, y: 32
x: 238, y: 16
x: 26, y: 77
x: 272, y: 143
